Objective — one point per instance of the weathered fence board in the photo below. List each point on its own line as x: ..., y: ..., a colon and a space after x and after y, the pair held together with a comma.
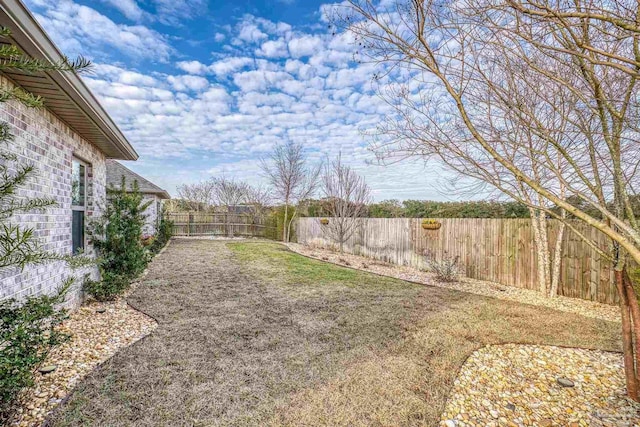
x: 216, y: 224
x: 498, y: 250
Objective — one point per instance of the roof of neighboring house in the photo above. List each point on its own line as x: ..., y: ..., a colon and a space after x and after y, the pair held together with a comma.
x: 115, y: 172
x: 64, y: 93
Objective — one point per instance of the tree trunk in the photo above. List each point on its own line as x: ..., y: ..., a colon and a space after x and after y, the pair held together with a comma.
x: 544, y: 249
x: 540, y: 250
x: 634, y: 309
x: 293, y: 217
x: 627, y: 338
x: 285, y: 235
x: 557, y: 258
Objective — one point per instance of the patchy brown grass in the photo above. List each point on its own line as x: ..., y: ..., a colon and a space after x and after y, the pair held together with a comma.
x: 252, y: 334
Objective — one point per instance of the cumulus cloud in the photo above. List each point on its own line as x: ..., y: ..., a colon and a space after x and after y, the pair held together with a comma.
x: 129, y: 8
x: 271, y: 83
x: 174, y: 12
x: 193, y: 67
x: 249, y: 32
x: 229, y: 65
x: 273, y: 49
x: 187, y: 82
x: 304, y: 46
x: 79, y: 29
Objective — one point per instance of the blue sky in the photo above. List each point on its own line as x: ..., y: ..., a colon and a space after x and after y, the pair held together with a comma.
x: 204, y: 88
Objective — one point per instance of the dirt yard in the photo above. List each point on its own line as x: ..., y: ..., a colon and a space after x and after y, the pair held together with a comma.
x: 253, y: 334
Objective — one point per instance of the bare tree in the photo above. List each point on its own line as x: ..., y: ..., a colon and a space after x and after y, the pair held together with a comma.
x: 347, y: 196
x: 199, y: 196
x: 259, y: 197
x: 229, y: 193
x: 538, y: 98
x: 292, y: 179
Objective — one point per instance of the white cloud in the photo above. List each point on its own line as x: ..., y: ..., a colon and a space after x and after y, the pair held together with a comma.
x: 193, y: 67
x: 80, y: 29
x: 187, y: 82
x: 259, y: 80
x: 249, y: 32
x: 129, y: 8
x: 271, y: 83
x: 304, y: 46
x: 273, y: 49
x: 122, y: 75
x: 229, y: 65
x: 174, y: 12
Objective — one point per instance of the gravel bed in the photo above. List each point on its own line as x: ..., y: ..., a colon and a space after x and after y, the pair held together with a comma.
x: 519, y: 385
x: 585, y: 308
x: 95, y: 337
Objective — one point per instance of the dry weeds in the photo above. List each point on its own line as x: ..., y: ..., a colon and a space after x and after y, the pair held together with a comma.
x: 252, y: 334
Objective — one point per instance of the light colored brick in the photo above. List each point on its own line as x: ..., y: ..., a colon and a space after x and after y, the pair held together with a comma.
x: 41, y: 139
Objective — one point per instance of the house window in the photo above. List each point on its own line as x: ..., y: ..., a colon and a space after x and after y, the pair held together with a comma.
x: 78, y: 204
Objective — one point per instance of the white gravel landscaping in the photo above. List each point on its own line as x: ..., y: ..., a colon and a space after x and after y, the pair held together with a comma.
x: 572, y: 305
x: 517, y: 385
x: 96, y: 335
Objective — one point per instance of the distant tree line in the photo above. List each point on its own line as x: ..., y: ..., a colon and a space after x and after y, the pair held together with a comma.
x: 430, y: 209
x: 408, y: 208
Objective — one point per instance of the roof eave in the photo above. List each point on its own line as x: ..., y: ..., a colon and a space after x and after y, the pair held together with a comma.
x: 164, y: 195
x: 34, y: 42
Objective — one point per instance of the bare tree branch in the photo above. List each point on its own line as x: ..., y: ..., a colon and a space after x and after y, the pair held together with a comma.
x: 347, y: 196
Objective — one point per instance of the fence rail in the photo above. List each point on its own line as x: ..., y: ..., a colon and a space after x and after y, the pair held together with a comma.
x: 498, y: 250
x: 217, y: 224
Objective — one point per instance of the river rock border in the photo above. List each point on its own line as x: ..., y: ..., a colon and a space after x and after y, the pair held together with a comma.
x: 528, y: 385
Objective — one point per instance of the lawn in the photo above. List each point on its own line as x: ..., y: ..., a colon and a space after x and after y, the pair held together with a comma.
x: 252, y: 334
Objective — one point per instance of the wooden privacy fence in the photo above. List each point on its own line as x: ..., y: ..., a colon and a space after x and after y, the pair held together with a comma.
x: 217, y: 224
x: 497, y: 250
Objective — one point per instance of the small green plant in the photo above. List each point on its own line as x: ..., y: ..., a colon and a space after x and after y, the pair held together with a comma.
x: 110, y: 286
x: 117, y: 237
x: 28, y: 332
x: 163, y: 234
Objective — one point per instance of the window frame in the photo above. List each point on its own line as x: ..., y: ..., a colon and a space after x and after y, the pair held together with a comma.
x: 158, y: 212
x: 79, y: 208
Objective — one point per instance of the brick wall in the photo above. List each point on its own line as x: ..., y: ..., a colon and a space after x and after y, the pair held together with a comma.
x: 43, y: 140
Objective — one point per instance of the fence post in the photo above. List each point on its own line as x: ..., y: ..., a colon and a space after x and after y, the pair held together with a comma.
x: 189, y: 222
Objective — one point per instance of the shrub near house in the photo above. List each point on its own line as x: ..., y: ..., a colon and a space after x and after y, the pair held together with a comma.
x: 117, y: 237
